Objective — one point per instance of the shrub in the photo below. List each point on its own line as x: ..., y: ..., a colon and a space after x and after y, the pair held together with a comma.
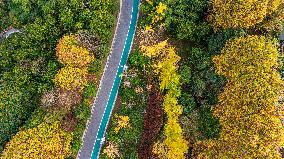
x: 250, y: 127
x: 208, y: 124
x: 36, y: 118
x: 102, y: 17
x: 71, y: 78
x: 111, y: 150
x: 188, y: 102
x: 89, y: 41
x: 70, y: 53
x: 122, y: 122
x: 82, y: 114
x: 185, y: 73
x: 199, y: 59
x: 154, y: 12
x: 61, y: 98
x: 69, y: 122
x: 90, y: 90
x: 44, y: 141
x: 68, y: 98
x: 48, y: 99
x: 243, y: 14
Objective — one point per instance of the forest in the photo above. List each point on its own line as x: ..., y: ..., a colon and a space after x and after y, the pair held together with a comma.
x: 46, y: 91
x: 204, y: 79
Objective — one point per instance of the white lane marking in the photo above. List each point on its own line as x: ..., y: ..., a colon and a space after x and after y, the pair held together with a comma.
x: 113, y: 83
x: 126, y: 58
x: 100, y: 85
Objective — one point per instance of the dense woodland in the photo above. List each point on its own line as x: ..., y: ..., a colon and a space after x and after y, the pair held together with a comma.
x: 45, y: 91
x: 205, y: 79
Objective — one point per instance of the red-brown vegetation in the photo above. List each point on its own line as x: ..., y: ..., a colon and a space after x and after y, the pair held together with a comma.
x: 153, y: 121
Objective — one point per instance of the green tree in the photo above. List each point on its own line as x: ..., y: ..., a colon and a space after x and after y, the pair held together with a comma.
x: 184, y: 19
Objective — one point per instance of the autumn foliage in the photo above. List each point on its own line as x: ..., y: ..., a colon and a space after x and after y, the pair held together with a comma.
x: 74, y: 75
x: 71, y: 78
x: 47, y: 141
x: 153, y: 122
x: 275, y: 22
x: 247, y: 106
x: 122, y: 122
x: 70, y: 53
x: 174, y: 145
x: 241, y: 14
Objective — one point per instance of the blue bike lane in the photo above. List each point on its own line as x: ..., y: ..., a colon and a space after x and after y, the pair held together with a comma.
x: 114, y: 91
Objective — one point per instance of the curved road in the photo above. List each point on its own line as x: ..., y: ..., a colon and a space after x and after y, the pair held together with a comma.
x: 93, y: 137
x: 7, y: 33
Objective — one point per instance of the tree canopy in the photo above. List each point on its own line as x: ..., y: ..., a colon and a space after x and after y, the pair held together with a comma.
x: 247, y: 107
x: 44, y: 141
x: 241, y: 14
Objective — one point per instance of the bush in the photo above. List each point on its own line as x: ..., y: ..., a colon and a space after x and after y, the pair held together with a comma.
x: 82, y: 113
x: 208, y: 125
x: 188, y: 102
x: 89, y: 41
x: 199, y: 59
x: 137, y: 60
x: 36, y: 118
x: 60, y: 98
x: 244, y: 14
x: 71, y: 78
x: 90, y: 90
x: 68, y: 98
x: 70, y: 53
x: 44, y: 141
x: 246, y: 109
x: 102, y: 18
x: 185, y: 73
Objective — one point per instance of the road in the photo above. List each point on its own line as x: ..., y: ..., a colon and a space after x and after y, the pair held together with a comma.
x: 93, y: 137
x: 7, y: 33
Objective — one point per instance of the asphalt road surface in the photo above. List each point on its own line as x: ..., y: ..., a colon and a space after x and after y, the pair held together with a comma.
x: 93, y: 137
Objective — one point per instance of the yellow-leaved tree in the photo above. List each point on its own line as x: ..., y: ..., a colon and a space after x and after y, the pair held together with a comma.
x: 165, y: 64
x: 247, y: 106
x: 71, y: 78
x: 241, y: 14
x: 70, y: 53
x: 46, y: 141
x: 122, y: 122
x: 274, y: 22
